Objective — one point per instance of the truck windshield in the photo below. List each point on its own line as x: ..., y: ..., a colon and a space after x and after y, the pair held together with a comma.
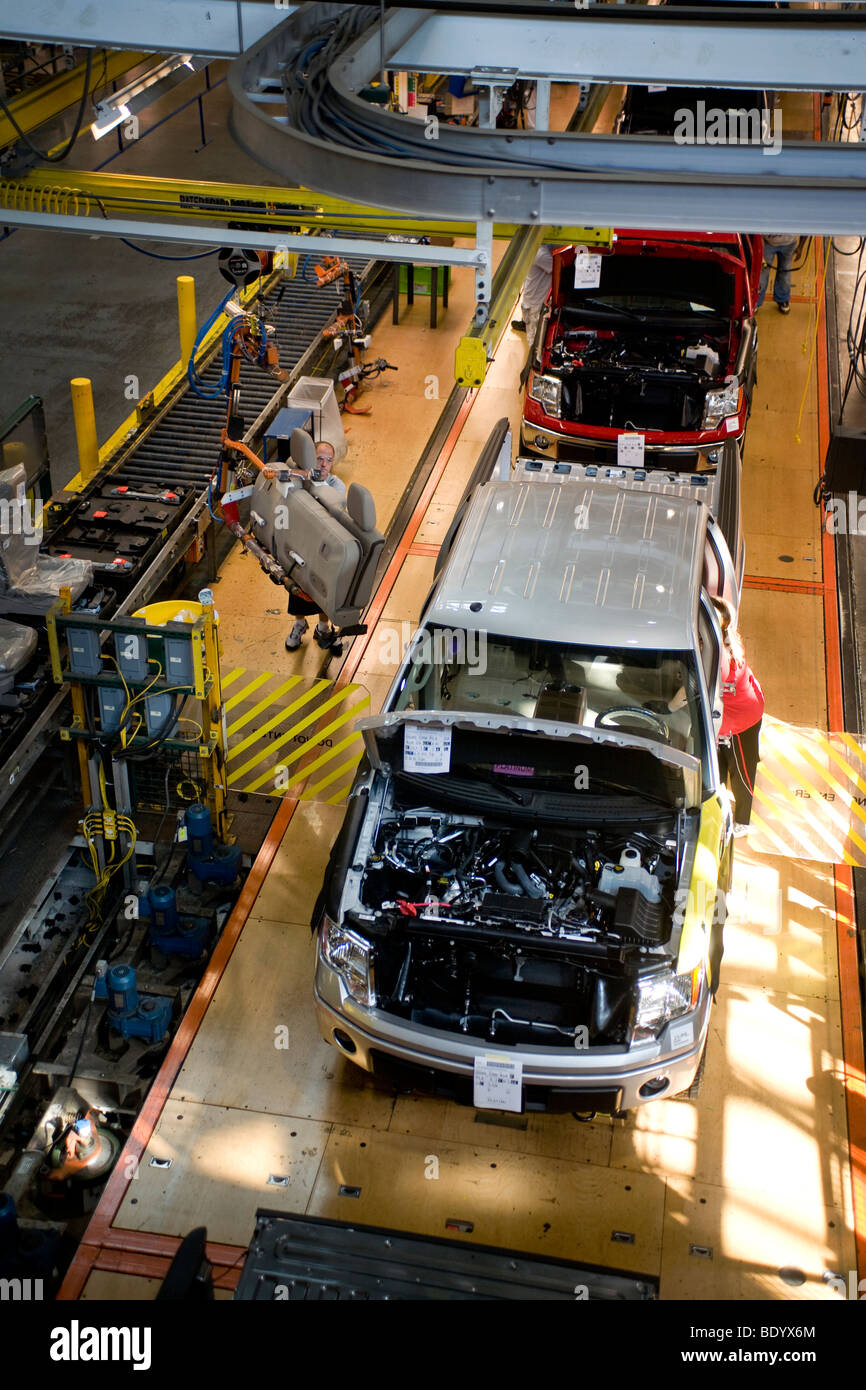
x: 655, y: 285
x: 653, y: 694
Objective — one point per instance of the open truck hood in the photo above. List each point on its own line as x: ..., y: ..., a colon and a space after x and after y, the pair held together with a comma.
x: 379, y: 726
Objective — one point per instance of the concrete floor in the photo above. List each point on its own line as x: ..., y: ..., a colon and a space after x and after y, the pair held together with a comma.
x: 90, y: 306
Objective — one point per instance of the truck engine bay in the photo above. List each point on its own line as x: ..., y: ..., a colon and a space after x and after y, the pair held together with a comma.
x: 646, y: 380
x: 516, y: 933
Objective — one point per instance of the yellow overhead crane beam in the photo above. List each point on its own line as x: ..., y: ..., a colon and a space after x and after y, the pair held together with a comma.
x: 47, y: 101
x: 189, y: 201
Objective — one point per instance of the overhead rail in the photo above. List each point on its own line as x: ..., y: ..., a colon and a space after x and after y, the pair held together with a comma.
x: 238, y: 206
x: 297, y: 110
x: 216, y: 29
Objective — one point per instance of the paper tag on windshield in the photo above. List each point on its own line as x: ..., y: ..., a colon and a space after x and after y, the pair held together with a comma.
x: 629, y: 450
x: 426, y: 750
x: 587, y: 271
x: 656, y: 89
x: 498, y: 1083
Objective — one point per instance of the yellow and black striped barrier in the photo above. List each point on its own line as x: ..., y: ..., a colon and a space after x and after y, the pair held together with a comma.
x: 810, y: 795
x: 292, y: 736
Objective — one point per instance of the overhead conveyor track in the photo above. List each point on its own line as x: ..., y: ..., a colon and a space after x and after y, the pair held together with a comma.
x: 298, y: 110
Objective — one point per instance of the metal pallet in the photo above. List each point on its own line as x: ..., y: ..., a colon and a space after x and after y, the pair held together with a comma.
x: 303, y: 1258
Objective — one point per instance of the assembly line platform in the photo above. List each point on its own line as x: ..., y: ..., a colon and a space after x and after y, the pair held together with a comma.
x: 733, y: 1196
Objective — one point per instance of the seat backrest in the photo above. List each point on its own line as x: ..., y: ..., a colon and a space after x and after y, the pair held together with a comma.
x: 339, y: 545
x: 30, y: 582
x: 330, y: 554
x: 17, y: 552
x: 360, y: 517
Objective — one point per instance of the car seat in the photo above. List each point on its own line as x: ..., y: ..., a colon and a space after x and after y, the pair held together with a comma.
x: 29, y: 582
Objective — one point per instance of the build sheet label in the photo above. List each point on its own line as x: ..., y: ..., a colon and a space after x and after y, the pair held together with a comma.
x: 426, y: 750
x: 498, y: 1083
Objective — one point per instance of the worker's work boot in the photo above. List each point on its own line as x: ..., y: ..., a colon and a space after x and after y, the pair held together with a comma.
x: 324, y: 635
x: 293, y: 641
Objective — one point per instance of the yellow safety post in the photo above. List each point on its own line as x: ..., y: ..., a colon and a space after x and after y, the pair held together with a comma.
x: 85, y: 427
x: 186, y: 315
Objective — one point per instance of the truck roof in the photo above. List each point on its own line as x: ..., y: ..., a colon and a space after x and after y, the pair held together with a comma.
x: 576, y: 561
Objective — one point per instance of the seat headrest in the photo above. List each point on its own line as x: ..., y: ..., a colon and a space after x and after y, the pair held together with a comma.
x: 13, y: 481
x: 361, y: 507
x: 303, y: 451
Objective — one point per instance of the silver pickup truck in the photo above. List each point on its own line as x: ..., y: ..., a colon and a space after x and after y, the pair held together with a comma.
x: 524, y: 906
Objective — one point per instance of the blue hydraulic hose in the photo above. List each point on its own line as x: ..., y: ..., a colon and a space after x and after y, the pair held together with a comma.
x: 195, y: 381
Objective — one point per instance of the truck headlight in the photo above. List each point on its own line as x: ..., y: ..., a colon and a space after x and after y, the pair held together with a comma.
x: 662, y: 997
x: 352, y: 958
x: 547, y: 390
x: 719, y: 405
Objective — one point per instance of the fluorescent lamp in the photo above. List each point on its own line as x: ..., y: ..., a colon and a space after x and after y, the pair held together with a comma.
x: 140, y: 91
x: 107, y: 118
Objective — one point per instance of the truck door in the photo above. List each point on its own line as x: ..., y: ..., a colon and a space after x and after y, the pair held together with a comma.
x: 710, y: 634
x: 720, y: 579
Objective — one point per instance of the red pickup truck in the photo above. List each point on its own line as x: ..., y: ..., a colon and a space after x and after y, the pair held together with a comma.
x: 665, y: 345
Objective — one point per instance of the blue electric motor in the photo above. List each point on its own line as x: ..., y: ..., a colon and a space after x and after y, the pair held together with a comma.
x: 122, y: 986
x: 163, y: 907
x: 209, y: 863
x: 199, y: 831
x: 128, y: 1014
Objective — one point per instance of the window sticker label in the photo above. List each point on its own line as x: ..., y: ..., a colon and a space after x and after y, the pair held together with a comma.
x: 630, y: 449
x: 513, y: 770
x: 426, y: 750
x: 587, y: 270
x: 498, y: 1083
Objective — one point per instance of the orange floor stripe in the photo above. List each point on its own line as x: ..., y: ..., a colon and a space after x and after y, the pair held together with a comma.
x: 787, y: 586
x: 846, y: 936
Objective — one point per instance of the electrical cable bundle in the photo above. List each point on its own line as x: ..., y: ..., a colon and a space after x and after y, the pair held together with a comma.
x: 76, y: 130
x: 313, y: 105
x: 197, y: 383
x: 110, y: 826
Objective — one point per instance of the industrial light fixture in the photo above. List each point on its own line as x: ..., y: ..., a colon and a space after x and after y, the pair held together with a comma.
x: 140, y: 92
x: 107, y: 117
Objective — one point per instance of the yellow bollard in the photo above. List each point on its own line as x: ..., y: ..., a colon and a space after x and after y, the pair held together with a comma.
x: 186, y: 315
x: 85, y: 427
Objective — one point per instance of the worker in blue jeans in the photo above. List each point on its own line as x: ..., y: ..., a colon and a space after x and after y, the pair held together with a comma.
x: 779, y: 248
